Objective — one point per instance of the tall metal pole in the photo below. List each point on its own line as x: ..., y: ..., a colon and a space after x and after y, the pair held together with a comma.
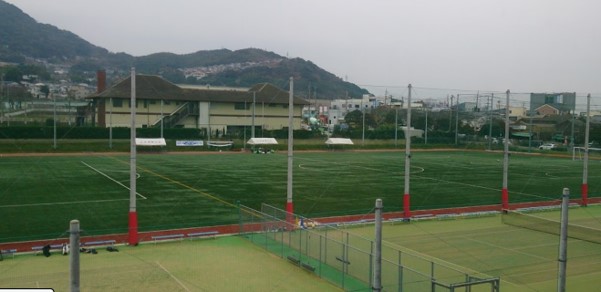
x: 133, y: 215
x: 490, y: 122
x: 572, y: 132
x: 111, y: 123
x: 585, y: 164
x: 426, y: 128
x: 396, y: 126
x: 457, y: 120
x: 289, y: 205
x: 252, y: 130
x: 378, y: 252
x: 162, y: 118
x: 504, y: 191
x: 74, y: 255
x: 363, y: 130
x: 451, y: 112
x: 54, y: 119
x: 563, y: 242
x: 406, y: 197
x: 530, y: 133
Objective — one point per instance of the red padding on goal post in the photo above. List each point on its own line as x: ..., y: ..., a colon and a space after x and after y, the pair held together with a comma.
x: 133, y: 228
x: 584, y: 195
x: 505, y: 199
x: 290, y: 213
x: 406, y: 206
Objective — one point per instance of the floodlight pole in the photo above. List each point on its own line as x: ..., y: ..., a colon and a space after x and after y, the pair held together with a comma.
x: 504, y: 192
x: 406, y: 197
x: 74, y: 255
x: 133, y: 215
x: 563, y: 242
x: 585, y: 164
x: 289, y: 205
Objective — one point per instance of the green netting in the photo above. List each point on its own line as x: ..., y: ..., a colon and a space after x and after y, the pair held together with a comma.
x: 343, y: 258
x: 532, y: 222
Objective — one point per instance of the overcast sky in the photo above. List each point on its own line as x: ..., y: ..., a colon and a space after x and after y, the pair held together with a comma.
x: 486, y: 45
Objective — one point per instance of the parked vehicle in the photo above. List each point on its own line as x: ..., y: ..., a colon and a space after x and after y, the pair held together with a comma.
x: 548, y: 146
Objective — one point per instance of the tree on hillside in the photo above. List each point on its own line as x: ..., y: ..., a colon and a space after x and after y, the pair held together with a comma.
x: 354, y: 119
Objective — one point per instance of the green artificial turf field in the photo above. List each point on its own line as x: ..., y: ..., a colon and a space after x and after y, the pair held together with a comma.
x: 40, y: 195
x: 524, y: 259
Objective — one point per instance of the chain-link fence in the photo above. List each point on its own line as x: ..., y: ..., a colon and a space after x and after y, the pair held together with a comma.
x: 347, y: 260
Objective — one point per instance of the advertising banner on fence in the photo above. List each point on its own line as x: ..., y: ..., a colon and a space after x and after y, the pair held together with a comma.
x: 150, y: 142
x: 189, y: 143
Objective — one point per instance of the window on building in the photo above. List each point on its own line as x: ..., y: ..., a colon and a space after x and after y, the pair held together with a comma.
x: 117, y: 102
x: 241, y: 106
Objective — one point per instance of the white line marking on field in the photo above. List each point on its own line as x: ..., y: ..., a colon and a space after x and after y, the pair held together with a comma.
x: 477, y: 186
x: 174, y: 278
x: 62, y: 203
x: 114, y: 180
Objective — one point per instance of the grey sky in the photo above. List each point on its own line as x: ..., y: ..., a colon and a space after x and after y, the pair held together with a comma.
x: 486, y: 45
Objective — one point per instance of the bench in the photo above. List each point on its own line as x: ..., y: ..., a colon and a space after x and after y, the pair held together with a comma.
x: 202, y: 234
x: 110, y: 242
x: 7, y: 252
x: 293, y: 260
x: 38, y: 249
x: 167, y: 237
x: 308, y: 267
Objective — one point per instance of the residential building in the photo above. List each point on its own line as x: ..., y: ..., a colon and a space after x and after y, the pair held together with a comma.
x: 564, y: 102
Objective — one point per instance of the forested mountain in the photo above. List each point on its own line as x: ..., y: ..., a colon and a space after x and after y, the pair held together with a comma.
x: 25, y: 41
x: 22, y: 37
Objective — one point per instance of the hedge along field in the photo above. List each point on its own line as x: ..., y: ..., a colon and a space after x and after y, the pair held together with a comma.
x: 39, y: 195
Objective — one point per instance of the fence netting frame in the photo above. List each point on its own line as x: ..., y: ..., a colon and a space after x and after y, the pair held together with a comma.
x: 346, y: 259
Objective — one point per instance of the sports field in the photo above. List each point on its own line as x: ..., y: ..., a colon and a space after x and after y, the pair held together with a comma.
x: 42, y: 194
x: 225, y: 264
x: 524, y: 259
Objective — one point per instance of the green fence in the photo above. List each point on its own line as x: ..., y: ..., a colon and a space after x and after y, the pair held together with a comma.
x: 346, y: 260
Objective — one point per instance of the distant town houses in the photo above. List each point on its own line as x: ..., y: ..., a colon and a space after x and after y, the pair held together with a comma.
x: 201, y: 72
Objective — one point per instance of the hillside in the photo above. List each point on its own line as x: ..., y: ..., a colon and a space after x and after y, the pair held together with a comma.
x: 22, y: 37
x: 25, y: 41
